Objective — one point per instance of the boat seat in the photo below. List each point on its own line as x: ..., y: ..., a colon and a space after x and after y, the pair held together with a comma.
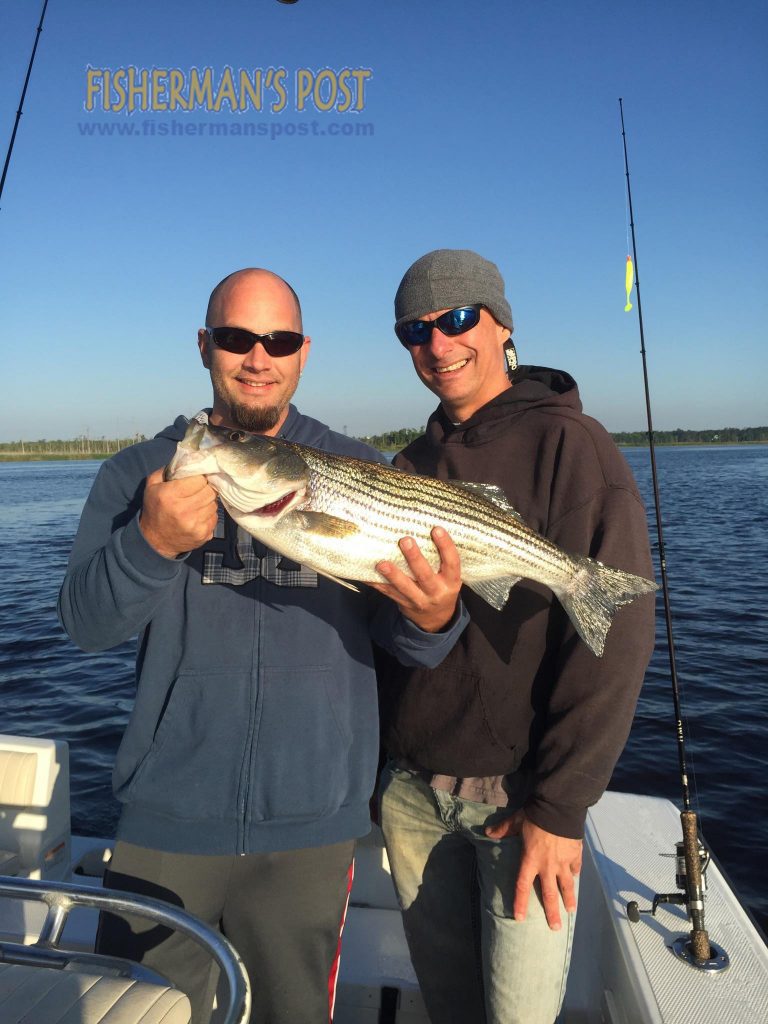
x: 45, y: 995
x: 34, y: 808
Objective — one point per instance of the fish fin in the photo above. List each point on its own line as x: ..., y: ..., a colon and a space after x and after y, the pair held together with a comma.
x: 327, y: 525
x: 336, y: 579
x: 495, y: 592
x: 491, y: 493
x: 593, y: 596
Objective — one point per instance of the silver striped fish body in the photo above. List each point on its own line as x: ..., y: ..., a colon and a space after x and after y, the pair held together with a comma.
x: 341, y: 516
x: 386, y: 504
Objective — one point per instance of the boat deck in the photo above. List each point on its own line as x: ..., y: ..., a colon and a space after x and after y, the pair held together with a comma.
x: 621, y: 973
x: 626, y: 970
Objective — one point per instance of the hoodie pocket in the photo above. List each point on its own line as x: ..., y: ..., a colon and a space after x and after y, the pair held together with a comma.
x: 192, y: 768
x: 301, y: 758
x: 445, y: 721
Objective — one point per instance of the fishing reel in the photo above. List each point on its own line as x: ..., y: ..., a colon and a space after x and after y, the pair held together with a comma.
x: 697, y: 950
x: 681, y: 881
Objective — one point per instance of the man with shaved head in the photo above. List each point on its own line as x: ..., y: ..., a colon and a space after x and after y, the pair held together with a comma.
x: 247, y: 291
x: 250, y: 755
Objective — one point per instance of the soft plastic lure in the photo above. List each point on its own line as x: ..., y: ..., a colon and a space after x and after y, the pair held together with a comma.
x: 629, y: 282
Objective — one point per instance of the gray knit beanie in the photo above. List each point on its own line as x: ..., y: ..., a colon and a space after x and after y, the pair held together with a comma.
x: 447, y: 278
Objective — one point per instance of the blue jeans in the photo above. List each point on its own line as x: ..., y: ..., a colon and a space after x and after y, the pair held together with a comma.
x: 456, y: 888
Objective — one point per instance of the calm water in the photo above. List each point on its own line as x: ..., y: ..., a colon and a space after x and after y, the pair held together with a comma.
x: 714, y: 502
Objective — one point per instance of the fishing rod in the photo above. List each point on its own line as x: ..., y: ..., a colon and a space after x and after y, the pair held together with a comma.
x: 21, y: 101
x: 692, y: 859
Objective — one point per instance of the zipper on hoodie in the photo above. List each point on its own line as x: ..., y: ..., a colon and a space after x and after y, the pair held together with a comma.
x: 254, y: 716
x: 256, y: 689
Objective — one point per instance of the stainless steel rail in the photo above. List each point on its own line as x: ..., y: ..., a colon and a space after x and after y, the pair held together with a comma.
x: 62, y: 897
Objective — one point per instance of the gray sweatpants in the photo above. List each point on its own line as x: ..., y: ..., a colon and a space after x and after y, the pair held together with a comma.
x: 283, y: 912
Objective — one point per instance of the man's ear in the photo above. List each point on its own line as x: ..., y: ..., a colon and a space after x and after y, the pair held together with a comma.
x: 203, y: 343
x: 304, y: 353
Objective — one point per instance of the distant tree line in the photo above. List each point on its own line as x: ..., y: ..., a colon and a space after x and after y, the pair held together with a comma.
x: 721, y: 435
x: 394, y: 440
x: 391, y: 440
x: 82, y: 447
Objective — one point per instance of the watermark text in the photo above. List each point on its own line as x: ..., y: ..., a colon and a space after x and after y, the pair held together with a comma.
x: 235, y: 90
x: 271, y: 130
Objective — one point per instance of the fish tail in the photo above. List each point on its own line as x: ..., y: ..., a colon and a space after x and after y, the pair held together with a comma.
x: 595, y: 593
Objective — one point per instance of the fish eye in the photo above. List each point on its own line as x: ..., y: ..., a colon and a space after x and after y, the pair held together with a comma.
x: 237, y: 435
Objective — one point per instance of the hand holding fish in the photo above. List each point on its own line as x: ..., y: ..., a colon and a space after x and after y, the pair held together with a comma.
x: 177, y: 515
x: 554, y: 860
x: 429, y: 598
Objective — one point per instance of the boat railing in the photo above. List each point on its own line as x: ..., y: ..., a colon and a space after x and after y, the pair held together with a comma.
x: 63, y: 897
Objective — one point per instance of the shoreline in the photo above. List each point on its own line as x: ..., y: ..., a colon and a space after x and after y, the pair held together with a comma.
x: 54, y: 456
x: 100, y: 456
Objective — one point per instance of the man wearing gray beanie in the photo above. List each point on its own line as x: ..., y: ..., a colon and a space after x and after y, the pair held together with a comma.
x: 495, y: 756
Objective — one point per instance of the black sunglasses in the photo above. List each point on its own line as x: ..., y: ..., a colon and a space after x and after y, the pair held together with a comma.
x: 237, y: 339
x: 455, y: 321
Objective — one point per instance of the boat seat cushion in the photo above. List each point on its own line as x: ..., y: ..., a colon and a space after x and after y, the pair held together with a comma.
x: 17, y: 778
x: 45, y: 995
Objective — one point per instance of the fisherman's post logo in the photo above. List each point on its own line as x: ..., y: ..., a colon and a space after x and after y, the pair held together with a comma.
x: 245, y: 92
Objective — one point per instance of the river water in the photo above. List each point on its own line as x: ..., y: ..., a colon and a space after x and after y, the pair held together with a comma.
x: 714, y: 513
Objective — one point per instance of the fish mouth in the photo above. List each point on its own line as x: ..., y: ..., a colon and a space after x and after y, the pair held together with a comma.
x: 275, y: 507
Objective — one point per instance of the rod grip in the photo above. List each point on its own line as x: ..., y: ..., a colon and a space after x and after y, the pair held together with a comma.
x: 699, y: 939
x: 691, y: 847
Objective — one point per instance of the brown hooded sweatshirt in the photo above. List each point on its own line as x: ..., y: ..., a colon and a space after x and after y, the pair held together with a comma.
x: 520, y: 694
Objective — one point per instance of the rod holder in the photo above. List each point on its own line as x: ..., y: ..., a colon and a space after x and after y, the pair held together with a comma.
x: 717, y: 960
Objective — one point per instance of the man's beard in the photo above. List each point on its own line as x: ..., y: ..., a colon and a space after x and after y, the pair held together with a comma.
x: 255, y: 420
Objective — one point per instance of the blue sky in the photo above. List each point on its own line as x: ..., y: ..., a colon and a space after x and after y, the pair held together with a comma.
x: 495, y: 126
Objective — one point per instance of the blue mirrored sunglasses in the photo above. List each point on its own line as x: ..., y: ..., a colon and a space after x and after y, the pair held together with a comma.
x: 455, y: 321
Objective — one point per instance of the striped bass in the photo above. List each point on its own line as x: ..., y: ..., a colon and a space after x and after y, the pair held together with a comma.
x: 341, y: 516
